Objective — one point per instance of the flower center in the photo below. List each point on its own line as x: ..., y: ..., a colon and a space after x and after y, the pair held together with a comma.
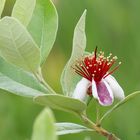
x: 95, y: 66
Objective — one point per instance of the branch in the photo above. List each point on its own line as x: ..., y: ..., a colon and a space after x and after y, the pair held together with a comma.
x: 98, y: 129
x: 40, y: 78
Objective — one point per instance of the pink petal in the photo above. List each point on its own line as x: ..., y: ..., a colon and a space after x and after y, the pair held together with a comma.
x: 102, y: 92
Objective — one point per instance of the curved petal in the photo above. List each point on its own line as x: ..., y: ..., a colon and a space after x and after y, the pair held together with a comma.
x: 102, y: 92
x: 80, y: 91
x: 116, y: 88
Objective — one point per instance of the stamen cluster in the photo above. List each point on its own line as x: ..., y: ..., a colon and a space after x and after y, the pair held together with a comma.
x: 95, y: 66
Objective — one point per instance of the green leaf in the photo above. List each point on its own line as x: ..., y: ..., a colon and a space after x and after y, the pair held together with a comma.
x: 127, y: 98
x: 14, y: 87
x: 44, y: 126
x: 70, y: 128
x: 17, y: 46
x: 20, y: 76
x: 87, y: 138
x: 69, y: 78
x: 43, y: 26
x: 2, y: 3
x: 61, y: 102
x: 23, y: 10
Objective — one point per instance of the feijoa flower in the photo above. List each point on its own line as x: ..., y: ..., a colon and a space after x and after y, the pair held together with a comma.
x: 97, y: 80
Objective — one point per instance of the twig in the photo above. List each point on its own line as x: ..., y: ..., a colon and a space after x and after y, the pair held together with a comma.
x: 98, y: 129
x: 40, y: 78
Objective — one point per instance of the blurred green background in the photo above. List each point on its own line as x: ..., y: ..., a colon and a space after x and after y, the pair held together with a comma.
x: 112, y: 25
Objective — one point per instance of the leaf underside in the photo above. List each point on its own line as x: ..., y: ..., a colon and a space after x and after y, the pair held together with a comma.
x: 44, y: 126
x: 69, y: 78
x: 17, y: 46
x: 61, y: 103
x: 64, y: 128
x: 18, y: 75
x: 23, y: 10
x: 2, y: 3
x: 14, y: 87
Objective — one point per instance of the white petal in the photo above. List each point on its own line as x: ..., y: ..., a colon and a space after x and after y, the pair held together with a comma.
x: 116, y: 88
x: 102, y: 92
x: 80, y: 91
x: 94, y: 90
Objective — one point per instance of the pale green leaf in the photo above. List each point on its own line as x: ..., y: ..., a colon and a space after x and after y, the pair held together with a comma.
x: 14, y: 87
x: 20, y: 76
x: 69, y: 78
x: 17, y: 46
x: 23, y: 10
x: 61, y: 102
x: 44, y: 126
x: 87, y: 138
x: 70, y: 128
x: 2, y: 3
x: 119, y: 104
x: 43, y: 26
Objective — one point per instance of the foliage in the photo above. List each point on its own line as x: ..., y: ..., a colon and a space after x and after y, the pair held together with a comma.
x: 26, y: 39
x: 44, y: 128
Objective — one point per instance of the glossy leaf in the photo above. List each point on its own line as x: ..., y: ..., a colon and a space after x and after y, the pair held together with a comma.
x: 61, y: 102
x: 119, y: 104
x: 23, y: 10
x: 70, y: 128
x: 43, y: 26
x: 17, y: 46
x: 20, y: 76
x: 69, y: 78
x: 14, y: 87
x: 44, y: 126
x: 2, y: 3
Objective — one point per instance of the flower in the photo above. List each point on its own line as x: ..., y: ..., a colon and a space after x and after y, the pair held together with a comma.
x: 97, y: 81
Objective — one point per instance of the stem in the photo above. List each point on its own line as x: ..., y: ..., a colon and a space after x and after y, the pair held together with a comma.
x: 110, y: 110
x: 40, y: 78
x: 97, y: 114
x: 98, y: 129
x: 89, y: 99
x: 103, y: 117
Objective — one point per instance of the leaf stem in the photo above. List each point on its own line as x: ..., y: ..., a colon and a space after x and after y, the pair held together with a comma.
x: 40, y: 78
x: 98, y: 129
x: 97, y: 114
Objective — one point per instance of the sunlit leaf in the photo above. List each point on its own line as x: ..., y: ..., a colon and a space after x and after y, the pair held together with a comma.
x: 43, y: 26
x: 70, y: 128
x: 23, y: 10
x: 2, y: 3
x: 44, y: 126
x: 119, y: 104
x: 14, y: 87
x: 69, y: 78
x: 17, y: 46
x: 61, y: 102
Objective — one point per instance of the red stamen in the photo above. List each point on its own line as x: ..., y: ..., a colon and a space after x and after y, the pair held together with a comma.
x: 95, y: 66
x: 95, y: 52
x: 112, y: 70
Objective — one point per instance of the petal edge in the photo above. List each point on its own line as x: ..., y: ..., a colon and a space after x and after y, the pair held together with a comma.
x: 80, y: 91
x: 102, y: 92
x: 116, y: 88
